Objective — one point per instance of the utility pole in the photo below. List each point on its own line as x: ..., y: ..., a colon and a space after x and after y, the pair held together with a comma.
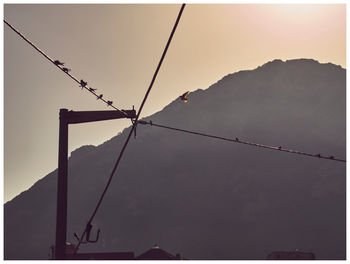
x: 62, y: 187
x: 66, y: 118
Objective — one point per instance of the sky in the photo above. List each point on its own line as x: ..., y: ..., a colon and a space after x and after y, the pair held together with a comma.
x: 116, y: 48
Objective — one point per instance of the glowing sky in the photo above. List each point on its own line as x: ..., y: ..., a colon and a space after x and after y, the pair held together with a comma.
x: 116, y: 48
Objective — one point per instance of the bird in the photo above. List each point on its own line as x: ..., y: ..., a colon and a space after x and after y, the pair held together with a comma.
x: 331, y: 157
x: 58, y: 63
x: 279, y: 147
x: 92, y: 89
x: 82, y: 84
x: 100, y: 96
x: 237, y: 139
x: 184, y: 97
x: 66, y: 70
x: 318, y: 155
x: 109, y: 102
x: 141, y: 122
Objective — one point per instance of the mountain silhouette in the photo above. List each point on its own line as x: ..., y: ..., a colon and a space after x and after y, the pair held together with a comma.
x: 205, y: 198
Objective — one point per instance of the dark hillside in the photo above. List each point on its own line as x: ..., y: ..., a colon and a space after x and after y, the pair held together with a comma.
x: 205, y: 198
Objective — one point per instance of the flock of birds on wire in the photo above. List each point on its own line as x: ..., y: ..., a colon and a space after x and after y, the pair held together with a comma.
x: 83, y: 84
x: 183, y: 97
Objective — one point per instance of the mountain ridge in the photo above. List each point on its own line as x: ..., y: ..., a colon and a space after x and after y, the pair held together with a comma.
x: 248, y: 104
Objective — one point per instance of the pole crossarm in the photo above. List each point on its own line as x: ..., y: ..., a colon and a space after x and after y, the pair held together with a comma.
x: 76, y: 117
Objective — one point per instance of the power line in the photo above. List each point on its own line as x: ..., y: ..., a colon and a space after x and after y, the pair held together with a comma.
x: 236, y: 140
x: 65, y: 70
x: 135, y: 122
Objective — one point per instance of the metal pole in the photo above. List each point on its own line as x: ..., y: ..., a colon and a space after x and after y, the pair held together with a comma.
x: 62, y: 185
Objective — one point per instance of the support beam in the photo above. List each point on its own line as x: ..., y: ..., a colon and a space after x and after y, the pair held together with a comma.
x: 75, y: 117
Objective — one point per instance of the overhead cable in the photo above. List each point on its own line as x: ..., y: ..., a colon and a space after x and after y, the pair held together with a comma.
x: 237, y: 140
x: 57, y: 63
x: 135, y: 122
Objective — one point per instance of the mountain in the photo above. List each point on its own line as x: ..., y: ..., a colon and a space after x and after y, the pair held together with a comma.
x: 206, y: 198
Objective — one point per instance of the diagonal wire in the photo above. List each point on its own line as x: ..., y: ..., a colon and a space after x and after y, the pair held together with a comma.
x: 133, y: 127
x: 89, y: 89
x: 236, y: 140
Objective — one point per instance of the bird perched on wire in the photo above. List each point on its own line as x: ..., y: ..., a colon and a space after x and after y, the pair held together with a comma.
x: 66, y: 70
x: 58, y: 63
x: 109, y: 102
x: 82, y: 84
x: 92, y: 89
x: 184, y: 97
x: 100, y: 96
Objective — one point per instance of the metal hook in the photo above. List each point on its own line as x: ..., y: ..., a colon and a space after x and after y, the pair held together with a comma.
x: 88, y: 231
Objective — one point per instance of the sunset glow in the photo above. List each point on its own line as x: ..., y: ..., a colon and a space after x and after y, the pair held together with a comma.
x: 117, y: 48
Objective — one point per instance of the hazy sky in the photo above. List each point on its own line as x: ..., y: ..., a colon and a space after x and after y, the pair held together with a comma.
x: 116, y: 48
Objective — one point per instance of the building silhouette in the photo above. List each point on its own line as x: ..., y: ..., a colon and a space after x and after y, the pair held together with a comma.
x: 155, y: 253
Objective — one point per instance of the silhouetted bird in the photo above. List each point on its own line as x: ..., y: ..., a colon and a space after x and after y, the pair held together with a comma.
x: 279, y: 147
x: 82, y: 84
x: 92, y: 89
x: 58, y: 63
x: 100, y: 96
x: 66, y: 70
x: 331, y: 157
x: 318, y: 155
x: 237, y: 139
x: 109, y: 102
x: 184, y: 97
